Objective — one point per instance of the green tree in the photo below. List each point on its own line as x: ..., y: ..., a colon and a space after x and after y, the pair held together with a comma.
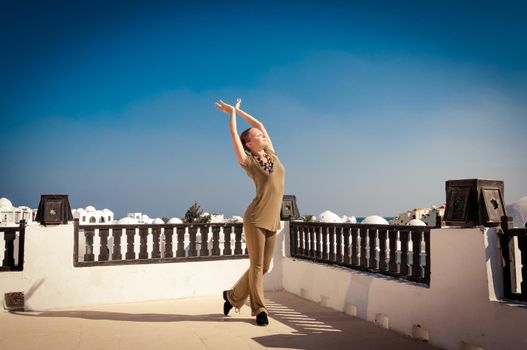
x: 194, y: 214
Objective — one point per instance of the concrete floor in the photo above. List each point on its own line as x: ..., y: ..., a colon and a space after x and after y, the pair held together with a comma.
x: 196, y: 323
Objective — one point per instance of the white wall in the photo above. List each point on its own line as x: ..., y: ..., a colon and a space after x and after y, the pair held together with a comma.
x: 456, y: 309
x: 50, y: 281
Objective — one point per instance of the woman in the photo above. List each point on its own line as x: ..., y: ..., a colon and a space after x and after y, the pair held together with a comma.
x: 261, y: 220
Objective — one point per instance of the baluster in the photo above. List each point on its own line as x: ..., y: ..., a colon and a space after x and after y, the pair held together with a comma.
x: 169, y: 239
x: 312, y: 243
x: 331, y: 248
x: 372, y: 240
x: 363, y: 259
x: 227, y: 230
x: 180, y: 249
x: 130, y: 236
x: 156, y: 235
x: 192, y: 232
x: 347, y: 232
x: 204, y: 231
x: 238, y: 229
x: 416, y: 255
x: 338, y: 236
x: 293, y: 239
x: 307, y: 242
x: 392, y: 264
x: 116, y: 252
x: 9, y: 257
x: 354, y: 246
x: 324, y: 247
x: 89, y: 233
x: 319, y: 242
x: 383, y: 267
x: 303, y: 241
x: 403, y: 236
x: 104, y: 252
x: 216, y: 240
x: 522, y: 246
x: 143, y: 235
x: 298, y: 246
x: 427, y: 257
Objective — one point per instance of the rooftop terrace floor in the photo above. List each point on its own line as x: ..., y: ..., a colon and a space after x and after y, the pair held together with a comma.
x: 197, y: 323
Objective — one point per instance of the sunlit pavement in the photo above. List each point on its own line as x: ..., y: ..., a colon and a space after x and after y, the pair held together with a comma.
x: 196, y: 323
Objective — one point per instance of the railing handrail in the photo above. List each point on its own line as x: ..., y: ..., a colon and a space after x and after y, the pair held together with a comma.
x: 515, y: 231
x: 138, y: 225
x: 360, y: 225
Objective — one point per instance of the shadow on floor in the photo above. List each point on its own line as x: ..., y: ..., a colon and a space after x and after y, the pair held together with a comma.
x: 133, y: 317
x: 316, y: 327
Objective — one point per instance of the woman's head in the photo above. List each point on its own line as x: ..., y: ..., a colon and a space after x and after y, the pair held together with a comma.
x: 253, y: 140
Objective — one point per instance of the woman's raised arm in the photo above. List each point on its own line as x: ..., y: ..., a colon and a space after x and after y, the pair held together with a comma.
x: 255, y: 123
x: 236, y: 143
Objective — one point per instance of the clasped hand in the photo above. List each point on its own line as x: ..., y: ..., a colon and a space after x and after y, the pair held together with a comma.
x: 227, y: 108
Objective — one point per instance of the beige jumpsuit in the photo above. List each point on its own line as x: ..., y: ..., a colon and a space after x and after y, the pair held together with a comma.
x: 260, y: 223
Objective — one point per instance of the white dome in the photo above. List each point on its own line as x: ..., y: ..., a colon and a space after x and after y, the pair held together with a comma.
x: 328, y: 216
x: 107, y: 211
x: 81, y: 210
x: 416, y: 222
x: 175, y: 221
x: 5, y: 203
x: 127, y: 221
x: 158, y: 221
x: 148, y: 221
x: 90, y: 208
x: 349, y: 219
x: 145, y: 217
x: 374, y: 220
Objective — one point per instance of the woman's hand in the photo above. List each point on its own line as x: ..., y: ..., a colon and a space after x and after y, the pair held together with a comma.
x: 224, y: 107
x: 238, y: 103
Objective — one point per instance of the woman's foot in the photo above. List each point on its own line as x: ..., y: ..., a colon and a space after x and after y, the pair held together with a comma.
x: 227, y: 306
x: 261, y: 319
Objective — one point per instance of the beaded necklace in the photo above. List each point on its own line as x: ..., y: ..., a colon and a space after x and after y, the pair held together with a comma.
x: 269, y: 165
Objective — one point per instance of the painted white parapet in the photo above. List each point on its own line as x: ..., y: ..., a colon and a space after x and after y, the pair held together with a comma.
x: 50, y: 281
x: 460, y: 307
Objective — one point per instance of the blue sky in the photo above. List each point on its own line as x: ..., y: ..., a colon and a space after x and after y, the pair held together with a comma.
x: 372, y: 106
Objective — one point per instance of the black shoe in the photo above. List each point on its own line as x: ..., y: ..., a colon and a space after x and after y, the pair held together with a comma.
x: 227, y: 306
x: 261, y: 319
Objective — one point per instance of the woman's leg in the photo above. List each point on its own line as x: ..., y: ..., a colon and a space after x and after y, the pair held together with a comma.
x: 255, y: 243
x: 260, y: 245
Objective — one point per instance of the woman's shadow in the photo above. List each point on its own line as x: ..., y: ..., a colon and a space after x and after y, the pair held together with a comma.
x: 133, y: 317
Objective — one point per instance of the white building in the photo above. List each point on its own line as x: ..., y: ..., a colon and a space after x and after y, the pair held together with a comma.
x: 426, y: 215
x: 215, y: 218
x: 90, y: 215
x: 140, y: 218
x: 10, y: 215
